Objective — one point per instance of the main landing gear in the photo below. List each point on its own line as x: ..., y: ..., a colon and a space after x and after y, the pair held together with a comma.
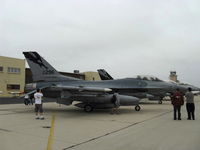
x: 88, y: 108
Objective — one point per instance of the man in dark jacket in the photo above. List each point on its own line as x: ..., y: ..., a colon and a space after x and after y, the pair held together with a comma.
x: 177, y: 101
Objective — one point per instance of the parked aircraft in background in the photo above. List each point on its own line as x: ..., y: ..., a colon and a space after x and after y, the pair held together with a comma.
x: 91, y: 94
x: 104, y: 75
x: 16, y: 94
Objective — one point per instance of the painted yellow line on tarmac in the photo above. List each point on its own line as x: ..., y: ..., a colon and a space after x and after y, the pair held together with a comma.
x: 51, y: 134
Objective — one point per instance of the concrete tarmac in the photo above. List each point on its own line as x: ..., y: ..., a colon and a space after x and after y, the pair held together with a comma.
x: 19, y: 100
x: 68, y: 127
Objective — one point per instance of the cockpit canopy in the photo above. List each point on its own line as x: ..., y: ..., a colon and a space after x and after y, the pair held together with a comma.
x: 147, y: 78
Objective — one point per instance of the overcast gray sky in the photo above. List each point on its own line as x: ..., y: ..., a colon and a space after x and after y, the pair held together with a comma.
x: 125, y: 37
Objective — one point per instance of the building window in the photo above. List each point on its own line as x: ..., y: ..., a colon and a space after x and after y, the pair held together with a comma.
x: 1, y: 69
x: 13, y: 87
x: 13, y: 70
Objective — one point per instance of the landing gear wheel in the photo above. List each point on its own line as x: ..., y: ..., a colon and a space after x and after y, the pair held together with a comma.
x: 160, y: 102
x: 88, y: 108
x: 137, y: 108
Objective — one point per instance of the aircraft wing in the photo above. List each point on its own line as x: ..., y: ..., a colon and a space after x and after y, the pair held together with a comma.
x: 33, y: 91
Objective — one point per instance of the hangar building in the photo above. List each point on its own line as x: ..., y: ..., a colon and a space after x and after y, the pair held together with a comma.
x: 12, y: 76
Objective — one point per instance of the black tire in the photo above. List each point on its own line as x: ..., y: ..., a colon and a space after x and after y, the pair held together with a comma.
x: 88, y: 108
x: 137, y: 108
x: 160, y: 102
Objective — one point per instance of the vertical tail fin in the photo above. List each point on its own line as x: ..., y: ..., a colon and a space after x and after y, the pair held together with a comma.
x: 41, y: 69
x: 104, y: 75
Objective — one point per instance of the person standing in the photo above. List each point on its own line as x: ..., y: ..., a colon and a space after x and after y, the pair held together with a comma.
x: 116, y: 103
x: 26, y: 99
x: 31, y: 99
x: 177, y: 100
x: 190, y: 104
x: 38, y: 105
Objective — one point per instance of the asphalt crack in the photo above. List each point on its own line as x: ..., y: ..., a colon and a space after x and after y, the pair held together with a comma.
x: 5, y: 130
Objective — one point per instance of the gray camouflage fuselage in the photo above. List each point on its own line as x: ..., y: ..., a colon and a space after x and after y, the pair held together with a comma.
x: 91, y: 93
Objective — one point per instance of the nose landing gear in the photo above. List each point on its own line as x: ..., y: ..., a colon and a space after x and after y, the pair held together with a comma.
x: 137, y: 108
